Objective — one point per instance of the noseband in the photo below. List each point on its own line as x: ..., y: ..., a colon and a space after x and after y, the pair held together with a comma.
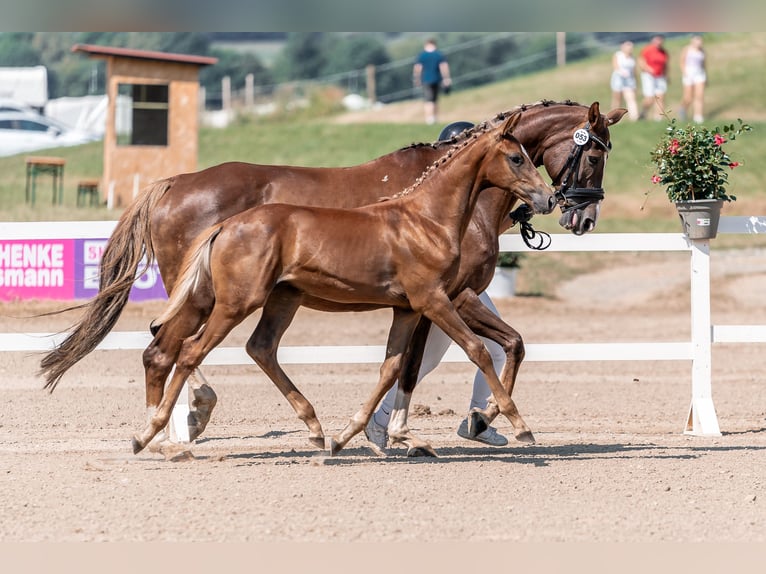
x: 568, y: 198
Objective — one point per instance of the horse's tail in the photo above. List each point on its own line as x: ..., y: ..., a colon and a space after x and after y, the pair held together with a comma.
x: 127, y: 245
x: 195, y: 273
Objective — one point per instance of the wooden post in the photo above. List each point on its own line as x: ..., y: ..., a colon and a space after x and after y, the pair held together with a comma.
x: 249, y: 90
x: 561, y: 49
x: 226, y: 93
x: 371, y: 88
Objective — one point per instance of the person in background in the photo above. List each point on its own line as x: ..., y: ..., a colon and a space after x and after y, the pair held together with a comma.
x: 623, y: 80
x: 694, y: 79
x: 653, y: 63
x: 431, y: 72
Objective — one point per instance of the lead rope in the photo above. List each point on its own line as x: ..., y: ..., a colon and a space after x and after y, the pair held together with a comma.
x: 522, y: 215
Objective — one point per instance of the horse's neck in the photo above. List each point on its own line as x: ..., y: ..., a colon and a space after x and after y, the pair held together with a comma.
x: 544, y: 128
x: 448, y: 195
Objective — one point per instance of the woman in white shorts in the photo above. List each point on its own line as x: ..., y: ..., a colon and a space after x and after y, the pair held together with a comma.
x: 693, y: 78
x: 623, y: 80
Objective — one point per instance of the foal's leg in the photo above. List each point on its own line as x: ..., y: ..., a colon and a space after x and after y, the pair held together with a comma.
x: 486, y: 324
x: 278, y: 313
x: 193, y: 351
x: 399, y: 336
x: 441, y: 311
x: 159, y: 358
x: 398, y: 430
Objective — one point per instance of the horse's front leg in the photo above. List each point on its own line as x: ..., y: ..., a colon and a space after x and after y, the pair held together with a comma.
x: 193, y: 350
x: 442, y: 312
x: 158, y: 359
x: 398, y: 430
x: 477, y: 312
x: 399, y: 336
x: 278, y: 313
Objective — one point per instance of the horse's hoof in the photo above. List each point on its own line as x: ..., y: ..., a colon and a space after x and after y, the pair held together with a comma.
x: 476, y: 424
x: 137, y: 446
x: 417, y: 451
x: 526, y: 437
x: 335, y: 448
x: 317, y: 441
x: 376, y: 450
x: 204, y: 397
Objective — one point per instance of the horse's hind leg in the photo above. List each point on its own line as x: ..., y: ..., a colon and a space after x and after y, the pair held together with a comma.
x: 278, y: 313
x: 482, y: 321
x: 399, y: 336
x: 193, y: 350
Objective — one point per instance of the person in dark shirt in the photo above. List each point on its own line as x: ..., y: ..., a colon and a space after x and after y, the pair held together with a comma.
x: 431, y: 71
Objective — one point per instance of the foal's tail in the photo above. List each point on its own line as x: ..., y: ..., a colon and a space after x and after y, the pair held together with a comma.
x: 195, y: 273
x: 129, y: 242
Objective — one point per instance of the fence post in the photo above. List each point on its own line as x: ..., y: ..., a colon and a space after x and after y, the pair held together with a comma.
x: 702, y: 419
x: 249, y: 91
x: 372, y: 95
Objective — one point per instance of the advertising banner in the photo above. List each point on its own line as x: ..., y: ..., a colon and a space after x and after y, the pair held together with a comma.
x: 62, y: 269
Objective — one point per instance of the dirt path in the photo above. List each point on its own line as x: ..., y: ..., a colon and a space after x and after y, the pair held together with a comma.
x: 611, y: 462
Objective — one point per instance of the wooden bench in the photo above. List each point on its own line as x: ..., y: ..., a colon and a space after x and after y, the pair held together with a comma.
x: 87, y: 192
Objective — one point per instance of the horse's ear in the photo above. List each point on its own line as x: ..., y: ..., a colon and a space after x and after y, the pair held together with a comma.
x: 615, y: 115
x: 594, y: 114
x: 510, y: 124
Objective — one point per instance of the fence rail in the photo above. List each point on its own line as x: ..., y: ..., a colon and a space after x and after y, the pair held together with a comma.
x: 702, y: 419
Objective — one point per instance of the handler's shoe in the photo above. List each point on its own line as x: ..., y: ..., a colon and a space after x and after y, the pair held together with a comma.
x: 489, y: 436
x: 376, y: 434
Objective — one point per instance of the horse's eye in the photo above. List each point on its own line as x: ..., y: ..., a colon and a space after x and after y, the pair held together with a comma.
x: 516, y: 159
x: 593, y: 160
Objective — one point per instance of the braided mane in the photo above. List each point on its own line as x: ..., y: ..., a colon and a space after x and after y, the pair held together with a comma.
x: 461, y: 140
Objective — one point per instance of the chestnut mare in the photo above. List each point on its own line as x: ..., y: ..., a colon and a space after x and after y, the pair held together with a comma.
x: 403, y: 253
x: 165, y: 219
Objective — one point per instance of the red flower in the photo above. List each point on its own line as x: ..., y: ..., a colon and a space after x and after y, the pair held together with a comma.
x: 734, y: 164
x: 656, y: 178
x: 719, y: 140
x: 674, y: 146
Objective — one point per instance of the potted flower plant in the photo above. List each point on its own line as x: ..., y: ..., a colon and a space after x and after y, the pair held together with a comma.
x: 694, y: 168
x: 503, y: 283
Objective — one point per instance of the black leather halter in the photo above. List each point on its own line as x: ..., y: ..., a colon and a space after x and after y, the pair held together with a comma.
x: 568, y: 197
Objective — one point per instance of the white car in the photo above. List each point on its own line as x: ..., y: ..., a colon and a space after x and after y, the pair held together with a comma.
x: 27, y: 131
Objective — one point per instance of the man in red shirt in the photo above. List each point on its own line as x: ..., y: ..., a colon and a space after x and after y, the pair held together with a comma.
x: 653, y: 62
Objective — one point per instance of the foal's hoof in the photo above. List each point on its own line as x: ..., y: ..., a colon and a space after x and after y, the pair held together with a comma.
x: 317, y: 441
x: 526, y: 437
x: 421, y: 450
x: 335, y: 448
x: 477, y: 424
x: 137, y: 446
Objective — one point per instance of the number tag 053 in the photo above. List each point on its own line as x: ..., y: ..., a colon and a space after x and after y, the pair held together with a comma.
x: 581, y: 136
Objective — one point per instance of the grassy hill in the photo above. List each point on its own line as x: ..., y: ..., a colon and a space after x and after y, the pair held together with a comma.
x: 311, y: 138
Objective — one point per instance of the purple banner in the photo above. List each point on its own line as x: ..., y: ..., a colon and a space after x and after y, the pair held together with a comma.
x: 87, y: 257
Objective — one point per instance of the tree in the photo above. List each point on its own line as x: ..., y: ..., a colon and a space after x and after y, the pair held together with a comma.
x: 303, y: 57
x: 16, y: 50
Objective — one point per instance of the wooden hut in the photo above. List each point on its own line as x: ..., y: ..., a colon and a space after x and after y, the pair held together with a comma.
x: 152, y: 119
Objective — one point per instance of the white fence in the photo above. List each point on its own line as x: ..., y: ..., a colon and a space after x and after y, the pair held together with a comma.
x: 702, y: 418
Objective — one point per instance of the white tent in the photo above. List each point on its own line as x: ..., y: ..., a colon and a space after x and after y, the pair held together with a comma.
x: 25, y: 85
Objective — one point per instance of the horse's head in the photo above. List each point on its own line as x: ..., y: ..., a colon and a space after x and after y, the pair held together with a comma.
x: 512, y: 169
x: 575, y: 157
